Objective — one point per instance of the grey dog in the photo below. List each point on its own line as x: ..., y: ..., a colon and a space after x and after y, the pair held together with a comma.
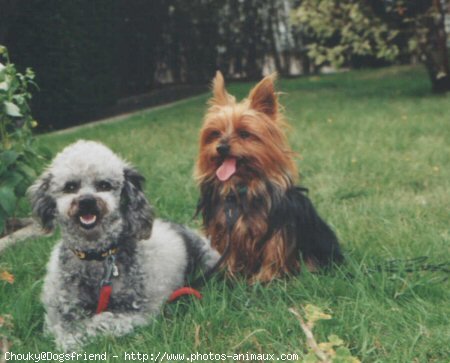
x: 109, y: 238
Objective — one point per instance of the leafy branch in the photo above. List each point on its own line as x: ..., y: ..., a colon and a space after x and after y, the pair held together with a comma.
x: 20, y: 159
x: 332, y: 351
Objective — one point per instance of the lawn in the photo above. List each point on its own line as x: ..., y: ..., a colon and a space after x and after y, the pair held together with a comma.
x: 374, y: 151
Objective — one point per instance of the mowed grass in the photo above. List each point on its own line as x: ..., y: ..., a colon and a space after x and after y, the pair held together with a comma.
x: 374, y: 151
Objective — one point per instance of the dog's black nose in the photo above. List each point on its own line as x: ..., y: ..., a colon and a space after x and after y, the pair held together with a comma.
x: 223, y: 149
x: 87, y: 202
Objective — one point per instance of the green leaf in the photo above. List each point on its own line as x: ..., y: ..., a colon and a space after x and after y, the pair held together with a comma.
x: 343, y: 355
x: 11, y: 109
x: 8, y: 157
x: 26, y: 170
x: 7, y: 200
x: 11, y: 179
x: 314, y: 313
x: 21, y: 188
x: 335, y: 340
x: 19, y: 99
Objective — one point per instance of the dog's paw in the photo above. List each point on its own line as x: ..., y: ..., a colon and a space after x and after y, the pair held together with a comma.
x: 69, y: 342
x: 114, y: 324
x: 103, y: 321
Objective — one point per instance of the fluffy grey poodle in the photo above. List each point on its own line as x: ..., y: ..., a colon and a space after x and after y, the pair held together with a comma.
x: 109, y: 238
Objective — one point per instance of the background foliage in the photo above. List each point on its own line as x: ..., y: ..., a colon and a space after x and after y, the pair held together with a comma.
x: 20, y: 160
x: 342, y: 29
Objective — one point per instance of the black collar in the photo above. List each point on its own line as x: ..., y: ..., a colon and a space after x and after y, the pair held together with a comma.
x: 89, y: 255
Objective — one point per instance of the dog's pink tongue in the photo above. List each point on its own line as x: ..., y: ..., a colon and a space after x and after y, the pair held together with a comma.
x: 227, y: 169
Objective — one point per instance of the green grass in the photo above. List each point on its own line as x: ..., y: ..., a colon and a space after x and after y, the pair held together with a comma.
x: 375, y: 154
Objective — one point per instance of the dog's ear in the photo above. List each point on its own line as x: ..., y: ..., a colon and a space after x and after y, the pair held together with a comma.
x: 263, y: 97
x: 135, y: 208
x: 42, y: 203
x: 220, y: 95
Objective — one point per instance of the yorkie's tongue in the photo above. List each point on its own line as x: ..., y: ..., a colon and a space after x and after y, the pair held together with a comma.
x: 227, y: 169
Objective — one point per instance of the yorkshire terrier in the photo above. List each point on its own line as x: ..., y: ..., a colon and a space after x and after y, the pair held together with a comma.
x: 252, y: 210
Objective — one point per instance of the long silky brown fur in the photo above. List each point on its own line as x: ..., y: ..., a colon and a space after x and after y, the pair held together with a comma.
x: 263, y: 246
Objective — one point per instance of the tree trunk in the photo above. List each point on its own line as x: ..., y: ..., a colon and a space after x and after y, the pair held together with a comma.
x: 252, y: 28
x: 436, y: 52
x: 273, y: 22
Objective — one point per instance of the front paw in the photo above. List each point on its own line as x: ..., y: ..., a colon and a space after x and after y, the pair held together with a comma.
x: 103, y: 321
x: 67, y: 342
x: 114, y: 324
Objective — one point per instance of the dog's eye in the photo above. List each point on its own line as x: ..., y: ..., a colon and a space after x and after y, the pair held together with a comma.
x: 244, y: 134
x: 213, y: 135
x: 104, y: 186
x: 71, y: 187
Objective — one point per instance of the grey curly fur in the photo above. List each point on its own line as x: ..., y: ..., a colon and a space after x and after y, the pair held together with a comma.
x: 153, y: 259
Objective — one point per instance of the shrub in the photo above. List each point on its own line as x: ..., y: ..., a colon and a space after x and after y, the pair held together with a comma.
x: 20, y: 160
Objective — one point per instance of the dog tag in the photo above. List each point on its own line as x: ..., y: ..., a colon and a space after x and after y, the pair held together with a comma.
x: 115, y: 271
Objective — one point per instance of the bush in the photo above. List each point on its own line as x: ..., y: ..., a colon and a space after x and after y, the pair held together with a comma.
x: 20, y: 160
